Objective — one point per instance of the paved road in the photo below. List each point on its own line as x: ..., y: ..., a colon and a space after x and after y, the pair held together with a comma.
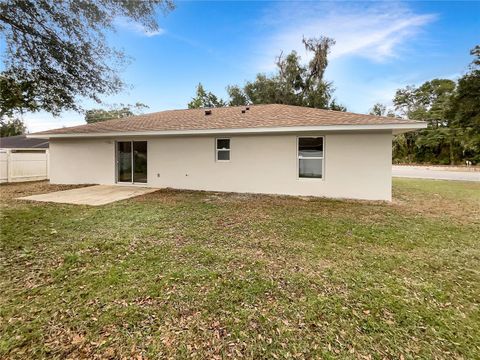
x: 431, y: 173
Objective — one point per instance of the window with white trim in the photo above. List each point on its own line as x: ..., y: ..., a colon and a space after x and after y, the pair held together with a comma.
x: 310, y: 157
x: 222, y: 149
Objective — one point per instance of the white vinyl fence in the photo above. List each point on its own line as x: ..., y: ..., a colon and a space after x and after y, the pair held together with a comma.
x: 23, y: 165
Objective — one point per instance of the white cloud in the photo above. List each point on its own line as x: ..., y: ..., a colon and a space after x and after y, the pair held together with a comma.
x: 373, y: 31
x: 137, y: 28
x: 368, y: 35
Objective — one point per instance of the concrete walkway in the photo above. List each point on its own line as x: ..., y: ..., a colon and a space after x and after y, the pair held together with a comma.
x: 425, y: 172
x: 92, y: 195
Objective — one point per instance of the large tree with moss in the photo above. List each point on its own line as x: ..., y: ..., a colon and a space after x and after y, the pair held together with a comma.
x: 294, y: 82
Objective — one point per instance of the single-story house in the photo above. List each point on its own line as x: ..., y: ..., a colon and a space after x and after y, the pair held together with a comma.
x: 271, y: 149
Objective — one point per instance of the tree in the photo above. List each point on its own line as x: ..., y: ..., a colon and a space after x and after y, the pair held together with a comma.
x: 11, y: 127
x: 294, y: 83
x: 237, y: 96
x: 118, y: 112
x: 263, y: 90
x: 465, y: 110
x: 336, y: 107
x: 204, y: 99
x: 429, y: 102
x: 379, y: 109
x: 476, y: 61
x: 452, y: 111
x: 56, y: 51
x: 315, y: 89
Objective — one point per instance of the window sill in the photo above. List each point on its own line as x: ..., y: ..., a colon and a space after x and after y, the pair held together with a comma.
x: 311, y: 179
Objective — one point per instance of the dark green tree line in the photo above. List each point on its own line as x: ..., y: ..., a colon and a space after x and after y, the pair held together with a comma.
x: 452, y: 111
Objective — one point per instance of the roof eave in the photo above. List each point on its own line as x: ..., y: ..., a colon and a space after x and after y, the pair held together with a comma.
x: 395, y: 128
x: 23, y: 149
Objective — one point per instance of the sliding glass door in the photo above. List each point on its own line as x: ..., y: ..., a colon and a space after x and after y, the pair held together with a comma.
x: 139, y: 161
x: 132, y: 161
x: 124, y: 161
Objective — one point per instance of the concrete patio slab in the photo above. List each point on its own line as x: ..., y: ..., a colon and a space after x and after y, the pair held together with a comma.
x: 92, y: 195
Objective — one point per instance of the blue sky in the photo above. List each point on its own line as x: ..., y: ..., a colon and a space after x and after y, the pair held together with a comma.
x: 380, y: 48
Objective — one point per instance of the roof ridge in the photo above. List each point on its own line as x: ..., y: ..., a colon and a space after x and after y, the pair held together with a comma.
x: 178, y: 110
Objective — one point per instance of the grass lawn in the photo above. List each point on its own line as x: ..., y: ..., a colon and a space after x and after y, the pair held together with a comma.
x: 177, y: 274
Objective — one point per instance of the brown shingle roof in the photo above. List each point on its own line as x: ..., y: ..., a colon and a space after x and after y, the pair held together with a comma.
x: 258, y: 116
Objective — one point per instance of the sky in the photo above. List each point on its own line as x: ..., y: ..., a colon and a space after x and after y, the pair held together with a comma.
x: 380, y: 47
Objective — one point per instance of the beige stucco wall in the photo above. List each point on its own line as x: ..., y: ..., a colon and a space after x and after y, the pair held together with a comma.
x: 82, y: 161
x: 357, y: 165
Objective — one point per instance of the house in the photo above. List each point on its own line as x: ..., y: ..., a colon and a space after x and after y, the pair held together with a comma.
x: 23, y: 159
x: 271, y: 149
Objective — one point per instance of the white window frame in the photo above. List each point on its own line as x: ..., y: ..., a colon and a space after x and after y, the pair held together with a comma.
x: 229, y: 149
x: 312, y: 158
